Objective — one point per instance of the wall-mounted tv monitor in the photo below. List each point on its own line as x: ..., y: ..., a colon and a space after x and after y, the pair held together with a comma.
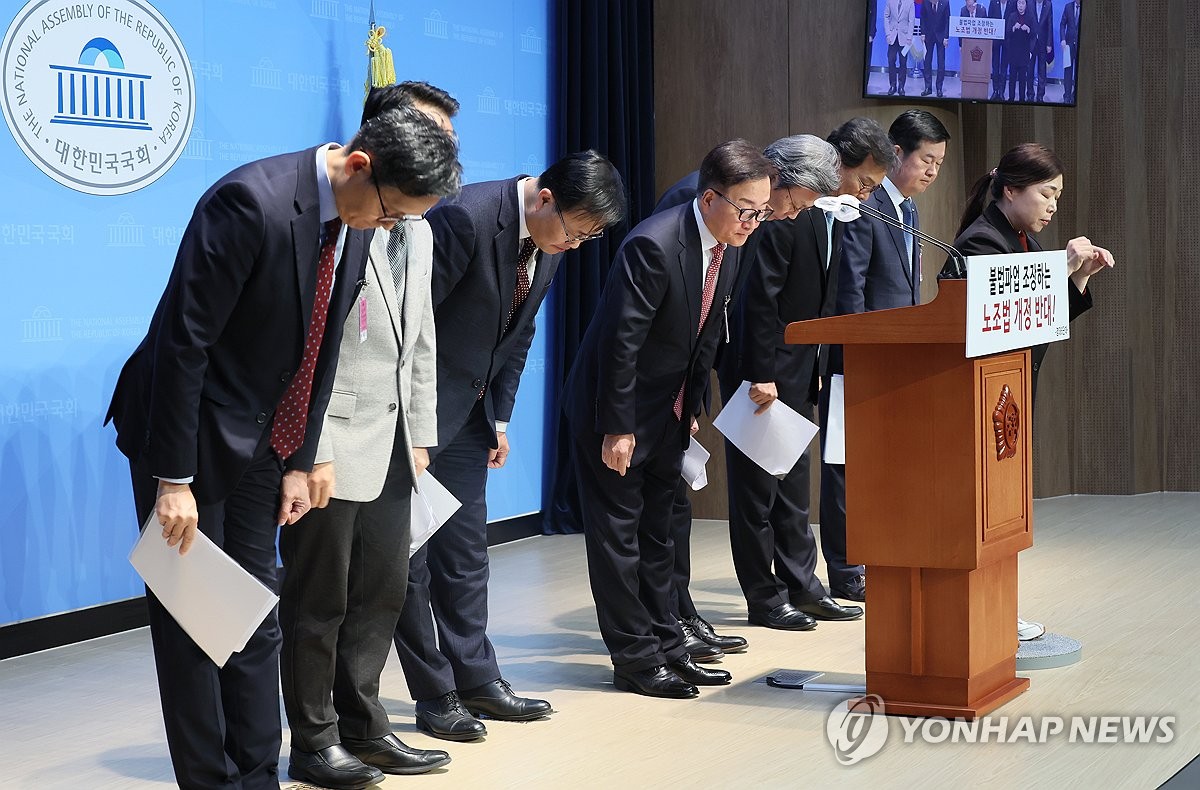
x: 1010, y: 51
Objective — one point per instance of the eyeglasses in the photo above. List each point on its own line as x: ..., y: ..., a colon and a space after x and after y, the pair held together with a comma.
x: 571, y: 239
x: 748, y: 214
x: 864, y: 186
x: 388, y: 219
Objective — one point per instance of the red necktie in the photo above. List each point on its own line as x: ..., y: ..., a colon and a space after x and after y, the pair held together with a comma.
x: 522, y: 290
x: 1024, y: 240
x: 710, y: 288
x: 291, y: 416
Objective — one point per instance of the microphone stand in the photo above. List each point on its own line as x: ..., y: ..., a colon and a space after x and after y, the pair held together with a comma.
x: 955, y: 268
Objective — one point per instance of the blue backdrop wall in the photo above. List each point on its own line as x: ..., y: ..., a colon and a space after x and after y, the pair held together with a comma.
x: 82, y: 272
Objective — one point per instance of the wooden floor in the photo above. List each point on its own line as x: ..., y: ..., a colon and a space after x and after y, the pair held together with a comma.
x: 1117, y: 573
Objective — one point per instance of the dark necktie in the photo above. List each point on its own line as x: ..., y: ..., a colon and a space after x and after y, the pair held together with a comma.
x: 397, y: 260
x: 706, y: 300
x: 521, y: 292
x: 1024, y: 240
x: 291, y: 416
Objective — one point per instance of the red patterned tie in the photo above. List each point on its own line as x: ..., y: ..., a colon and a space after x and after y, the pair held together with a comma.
x: 710, y: 288
x: 291, y: 416
x: 522, y: 290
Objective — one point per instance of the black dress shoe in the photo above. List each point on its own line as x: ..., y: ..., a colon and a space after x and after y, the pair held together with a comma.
x: 332, y: 767
x: 496, y: 700
x: 892, y: 91
x: 927, y: 91
x: 828, y: 609
x: 392, y: 756
x: 689, y: 671
x: 654, y: 682
x: 704, y: 630
x: 446, y: 718
x: 696, y: 647
x: 853, y: 590
x: 940, y: 94
x: 785, y: 617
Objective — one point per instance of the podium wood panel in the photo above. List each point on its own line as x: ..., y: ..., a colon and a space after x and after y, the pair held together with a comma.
x: 939, y: 500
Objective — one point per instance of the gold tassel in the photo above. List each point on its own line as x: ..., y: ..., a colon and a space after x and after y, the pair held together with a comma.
x: 381, y: 71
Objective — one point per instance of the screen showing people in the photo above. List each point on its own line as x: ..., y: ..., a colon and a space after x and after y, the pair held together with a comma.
x: 1012, y: 51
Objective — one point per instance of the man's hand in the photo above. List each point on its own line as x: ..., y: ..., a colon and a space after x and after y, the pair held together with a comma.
x: 695, y: 427
x: 764, y: 395
x: 945, y: 42
x: 420, y: 460
x: 321, y: 484
x: 293, y: 497
x: 617, y: 451
x: 497, y: 457
x: 176, y: 511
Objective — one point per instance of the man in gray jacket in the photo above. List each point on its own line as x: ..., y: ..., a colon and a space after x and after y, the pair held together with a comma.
x: 346, y: 562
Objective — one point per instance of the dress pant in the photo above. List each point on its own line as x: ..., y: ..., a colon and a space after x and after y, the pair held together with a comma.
x: 833, y: 507
x: 682, y: 605
x: 345, y: 573
x: 441, y: 638
x: 1039, y: 70
x: 930, y: 47
x: 897, y: 65
x: 630, y: 553
x: 774, y: 551
x: 222, y: 724
x: 999, y: 68
x: 1069, y: 78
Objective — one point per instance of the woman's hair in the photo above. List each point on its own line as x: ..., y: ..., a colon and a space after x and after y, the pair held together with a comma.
x: 1024, y: 166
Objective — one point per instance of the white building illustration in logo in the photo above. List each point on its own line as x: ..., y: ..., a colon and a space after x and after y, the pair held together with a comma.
x: 532, y: 43
x: 533, y: 165
x: 435, y: 26
x: 102, y: 100
x: 126, y: 232
x: 265, y: 75
x: 489, y: 102
x: 198, y: 146
x: 93, y: 95
x: 325, y: 9
x: 43, y: 327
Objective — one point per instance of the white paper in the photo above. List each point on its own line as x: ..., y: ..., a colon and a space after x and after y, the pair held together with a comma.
x: 695, y: 457
x: 1066, y: 57
x: 835, y: 425
x: 774, y: 440
x: 216, y: 601
x: 904, y: 51
x: 432, y: 506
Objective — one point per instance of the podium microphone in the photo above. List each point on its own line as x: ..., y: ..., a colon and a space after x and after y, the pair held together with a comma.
x: 847, y: 208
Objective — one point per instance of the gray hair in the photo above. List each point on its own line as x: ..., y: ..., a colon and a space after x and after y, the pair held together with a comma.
x: 805, y: 160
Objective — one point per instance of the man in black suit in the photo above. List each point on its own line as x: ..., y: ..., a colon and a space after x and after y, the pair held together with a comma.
x: 935, y: 29
x: 496, y: 249
x: 803, y: 168
x: 631, y: 400
x: 1043, y: 42
x: 346, y: 562
x: 793, y: 278
x: 998, y: 9
x: 880, y: 268
x: 219, y: 408
x: 1068, y: 28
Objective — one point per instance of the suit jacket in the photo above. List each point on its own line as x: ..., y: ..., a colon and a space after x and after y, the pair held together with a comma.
x: 991, y: 234
x: 1043, y: 31
x: 898, y: 16
x: 474, y: 276
x: 1068, y: 27
x: 391, y: 372
x: 198, y: 393
x: 642, y: 343
x: 935, y: 25
x: 682, y: 191
x: 872, y: 19
x: 1017, y: 42
x: 789, y: 282
x: 875, y: 272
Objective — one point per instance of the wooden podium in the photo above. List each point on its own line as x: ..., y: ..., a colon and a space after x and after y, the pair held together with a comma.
x: 975, y: 67
x: 939, y: 500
